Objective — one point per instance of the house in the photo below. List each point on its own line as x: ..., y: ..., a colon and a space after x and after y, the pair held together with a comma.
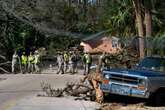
x: 101, y: 42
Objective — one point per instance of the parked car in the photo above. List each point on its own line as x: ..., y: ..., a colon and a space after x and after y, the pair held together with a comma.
x: 147, y: 80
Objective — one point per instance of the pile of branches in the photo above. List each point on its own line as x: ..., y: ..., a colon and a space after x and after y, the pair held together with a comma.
x: 81, y: 89
x: 86, y: 88
x: 4, y: 64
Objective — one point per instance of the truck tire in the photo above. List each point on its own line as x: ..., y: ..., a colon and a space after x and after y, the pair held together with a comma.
x: 159, y: 99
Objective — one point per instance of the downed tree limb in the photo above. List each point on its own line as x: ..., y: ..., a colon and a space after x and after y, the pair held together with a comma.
x: 88, y: 87
x: 82, y: 85
x: 2, y: 57
x: 5, y: 63
x: 4, y: 70
x: 70, y: 89
x: 127, y: 58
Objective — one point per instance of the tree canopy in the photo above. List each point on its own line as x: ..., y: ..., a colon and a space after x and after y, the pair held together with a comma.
x: 28, y: 23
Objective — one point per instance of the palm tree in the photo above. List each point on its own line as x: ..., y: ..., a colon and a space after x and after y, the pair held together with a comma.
x: 119, y: 17
x: 139, y: 20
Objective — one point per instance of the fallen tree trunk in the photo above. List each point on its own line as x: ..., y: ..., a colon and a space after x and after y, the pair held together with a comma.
x: 88, y: 86
x: 73, y: 89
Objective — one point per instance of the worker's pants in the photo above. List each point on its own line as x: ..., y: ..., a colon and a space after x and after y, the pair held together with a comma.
x: 74, y: 67
x: 71, y: 67
x: 87, y: 68
x: 31, y: 67
x: 13, y: 66
x: 65, y: 67
x: 36, y: 67
x: 60, y: 68
x: 24, y: 68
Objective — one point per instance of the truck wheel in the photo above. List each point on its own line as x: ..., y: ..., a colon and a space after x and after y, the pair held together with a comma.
x: 159, y: 99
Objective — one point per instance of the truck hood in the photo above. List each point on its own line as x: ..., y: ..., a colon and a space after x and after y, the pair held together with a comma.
x: 138, y: 72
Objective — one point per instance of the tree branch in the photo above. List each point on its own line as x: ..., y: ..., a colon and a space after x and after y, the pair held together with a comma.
x: 39, y: 27
x: 2, y: 57
x: 4, y: 70
x: 8, y: 62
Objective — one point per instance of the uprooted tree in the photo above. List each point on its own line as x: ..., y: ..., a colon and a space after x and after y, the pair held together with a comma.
x: 87, y: 87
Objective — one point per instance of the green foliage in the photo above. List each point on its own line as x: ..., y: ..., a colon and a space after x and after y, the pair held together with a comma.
x: 159, y: 42
x: 17, y: 35
x: 119, y: 17
x: 60, y: 43
x: 115, y: 15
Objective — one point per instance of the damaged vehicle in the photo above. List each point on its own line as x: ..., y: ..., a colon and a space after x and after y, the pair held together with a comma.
x: 147, y: 80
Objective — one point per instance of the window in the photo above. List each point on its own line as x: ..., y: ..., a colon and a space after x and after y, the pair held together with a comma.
x: 157, y: 64
x: 114, y: 44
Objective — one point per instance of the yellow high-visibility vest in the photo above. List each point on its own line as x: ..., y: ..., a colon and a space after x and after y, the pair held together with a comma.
x: 24, y: 59
x: 88, y: 58
x: 30, y: 58
x: 36, y: 59
x: 66, y: 57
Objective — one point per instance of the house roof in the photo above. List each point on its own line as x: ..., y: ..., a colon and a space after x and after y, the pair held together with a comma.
x: 95, y: 36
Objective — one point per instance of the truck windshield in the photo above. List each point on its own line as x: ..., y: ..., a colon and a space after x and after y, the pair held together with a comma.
x: 155, y: 64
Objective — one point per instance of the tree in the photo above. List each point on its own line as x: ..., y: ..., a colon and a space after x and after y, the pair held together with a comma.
x: 66, y: 18
x: 118, y: 16
x: 148, y: 27
x: 139, y: 20
x: 145, y: 28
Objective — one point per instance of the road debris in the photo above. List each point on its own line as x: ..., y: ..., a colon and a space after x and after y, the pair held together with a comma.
x: 87, y: 87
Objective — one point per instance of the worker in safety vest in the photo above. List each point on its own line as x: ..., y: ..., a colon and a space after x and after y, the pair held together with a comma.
x: 30, y: 63
x: 70, y: 65
x: 103, y: 60
x: 24, y: 60
x: 75, y: 59
x: 60, y: 62
x: 66, y: 61
x: 36, y: 61
x: 84, y: 62
x: 87, y: 59
x: 14, y: 61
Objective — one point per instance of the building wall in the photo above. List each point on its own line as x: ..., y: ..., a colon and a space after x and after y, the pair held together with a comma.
x: 87, y: 47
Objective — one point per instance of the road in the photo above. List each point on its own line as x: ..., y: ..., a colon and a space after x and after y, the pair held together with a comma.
x: 16, y: 87
x: 19, y: 92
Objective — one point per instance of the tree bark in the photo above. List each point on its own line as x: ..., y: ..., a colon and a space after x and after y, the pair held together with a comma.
x: 148, y: 26
x: 85, y: 9
x: 139, y: 20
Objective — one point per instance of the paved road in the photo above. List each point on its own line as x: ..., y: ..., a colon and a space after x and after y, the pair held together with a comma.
x: 17, y: 87
x: 19, y: 92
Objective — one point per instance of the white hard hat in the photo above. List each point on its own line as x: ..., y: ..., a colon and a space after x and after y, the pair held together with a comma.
x: 36, y: 51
